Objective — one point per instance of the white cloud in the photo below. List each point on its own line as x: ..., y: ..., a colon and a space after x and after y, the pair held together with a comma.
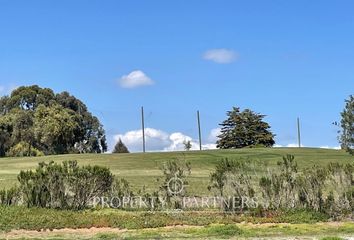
x: 295, y: 145
x: 221, y: 55
x: 290, y: 145
x: 328, y: 147
x: 208, y: 146
x: 135, y: 79
x: 176, y: 142
x: 158, y: 140
x: 155, y: 139
x: 213, y: 136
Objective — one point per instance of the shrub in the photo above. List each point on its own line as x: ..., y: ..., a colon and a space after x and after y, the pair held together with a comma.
x: 121, y: 188
x: 64, y: 185
x: 324, y: 189
x: 23, y: 149
x: 278, y: 189
x: 174, y: 172
x: 232, y: 179
x: 9, y: 197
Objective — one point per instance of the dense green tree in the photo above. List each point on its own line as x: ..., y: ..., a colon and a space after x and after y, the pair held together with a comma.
x: 346, y: 137
x: 29, y: 98
x: 3, y: 105
x: 52, y: 123
x: 90, y: 134
x: 55, y: 128
x: 5, y: 134
x: 22, y: 123
x: 120, y: 147
x: 244, y: 129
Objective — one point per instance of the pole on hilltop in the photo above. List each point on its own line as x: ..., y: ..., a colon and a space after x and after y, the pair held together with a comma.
x: 298, y: 132
x: 143, y: 127
x: 199, y: 131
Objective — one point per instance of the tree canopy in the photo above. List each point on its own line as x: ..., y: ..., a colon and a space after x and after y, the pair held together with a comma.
x: 244, y: 129
x: 120, y: 147
x: 50, y: 123
x: 346, y: 137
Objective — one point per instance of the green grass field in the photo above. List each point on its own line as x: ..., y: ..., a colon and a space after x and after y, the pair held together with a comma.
x: 143, y: 169
x: 39, y: 223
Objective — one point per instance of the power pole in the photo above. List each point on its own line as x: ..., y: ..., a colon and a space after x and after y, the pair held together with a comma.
x: 200, y: 134
x: 143, y: 127
x: 298, y: 132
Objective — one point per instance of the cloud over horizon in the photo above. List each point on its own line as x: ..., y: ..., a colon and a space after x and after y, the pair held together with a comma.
x: 213, y: 135
x: 158, y: 140
x: 135, y: 79
x: 295, y: 145
x: 221, y: 55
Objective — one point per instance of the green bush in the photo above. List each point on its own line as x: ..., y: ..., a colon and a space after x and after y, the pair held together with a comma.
x: 64, y: 186
x: 324, y: 189
x: 174, y: 169
x: 23, y: 149
x: 10, y: 196
x: 232, y: 178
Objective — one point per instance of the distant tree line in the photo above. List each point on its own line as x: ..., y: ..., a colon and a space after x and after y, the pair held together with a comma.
x: 36, y: 121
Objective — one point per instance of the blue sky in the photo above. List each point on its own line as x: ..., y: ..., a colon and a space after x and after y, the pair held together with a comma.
x: 280, y: 58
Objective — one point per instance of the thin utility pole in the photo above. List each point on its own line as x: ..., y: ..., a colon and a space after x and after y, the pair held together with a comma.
x: 200, y: 133
x: 143, y: 127
x: 298, y: 132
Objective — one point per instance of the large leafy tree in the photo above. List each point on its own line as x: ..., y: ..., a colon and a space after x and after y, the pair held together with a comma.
x: 346, y: 137
x: 244, y: 129
x: 29, y: 98
x: 22, y: 122
x: 91, y: 134
x: 55, y: 128
x: 52, y: 123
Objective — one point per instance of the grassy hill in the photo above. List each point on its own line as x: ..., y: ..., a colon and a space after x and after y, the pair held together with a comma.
x: 143, y: 169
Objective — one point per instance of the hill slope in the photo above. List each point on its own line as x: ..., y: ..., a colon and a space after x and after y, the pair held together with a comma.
x: 143, y: 169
